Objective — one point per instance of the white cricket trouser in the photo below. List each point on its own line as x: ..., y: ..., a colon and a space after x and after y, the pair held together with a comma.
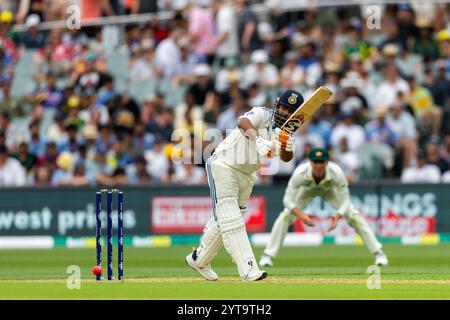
x: 352, y: 216
x: 230, y: 191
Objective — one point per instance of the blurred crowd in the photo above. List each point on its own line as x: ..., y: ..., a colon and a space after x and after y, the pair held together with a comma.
x: 389, y: 116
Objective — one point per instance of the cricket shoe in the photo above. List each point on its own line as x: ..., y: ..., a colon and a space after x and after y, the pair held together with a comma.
x: 265, y: 261
x: 207, y: 272
x: 381, y: 259
x: 255, y: 275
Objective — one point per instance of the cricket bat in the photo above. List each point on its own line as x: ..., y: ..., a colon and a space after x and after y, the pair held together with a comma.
x: 306, y: 110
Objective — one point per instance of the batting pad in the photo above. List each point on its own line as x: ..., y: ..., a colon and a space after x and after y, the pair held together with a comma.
x: 210, y: 244
x: 234, y: 235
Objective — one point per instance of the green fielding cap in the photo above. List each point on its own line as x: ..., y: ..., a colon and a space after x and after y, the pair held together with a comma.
x: 318, y: 154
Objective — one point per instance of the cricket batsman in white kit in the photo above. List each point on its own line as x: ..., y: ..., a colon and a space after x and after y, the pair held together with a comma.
x: 323, y: 178
x: 231, y: 175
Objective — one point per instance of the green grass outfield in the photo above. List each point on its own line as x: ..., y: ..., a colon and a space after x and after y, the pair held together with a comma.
x: 325, y: 272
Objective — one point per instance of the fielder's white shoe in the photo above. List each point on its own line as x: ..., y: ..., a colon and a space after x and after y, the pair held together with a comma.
x: 255, y: 275
x: 381, y: 259
x: 265, y: 261
x: 206, y: 272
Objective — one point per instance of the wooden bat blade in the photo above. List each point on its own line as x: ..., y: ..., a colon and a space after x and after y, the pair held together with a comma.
x: 306, y: 110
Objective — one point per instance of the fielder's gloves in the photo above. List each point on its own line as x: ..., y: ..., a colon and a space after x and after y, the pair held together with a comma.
x: 264, y: 147
x: 284, y: 140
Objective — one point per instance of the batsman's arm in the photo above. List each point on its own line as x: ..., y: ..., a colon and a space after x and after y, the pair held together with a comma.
x: 247, y: 128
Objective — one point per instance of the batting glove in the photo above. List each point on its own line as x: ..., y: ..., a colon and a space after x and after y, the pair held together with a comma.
x: 284, y: 140
x: 264, y: 147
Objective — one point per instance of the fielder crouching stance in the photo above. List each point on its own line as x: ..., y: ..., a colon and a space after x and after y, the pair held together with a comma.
x: 319, y: 177
x: 231, y: 175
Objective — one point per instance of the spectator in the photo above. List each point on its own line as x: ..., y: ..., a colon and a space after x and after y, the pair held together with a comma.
x: 36, y: 144
x: 49, y: 157
x: 71, y: 143
x: 256, y: 95
x: 47, y: 62
x: 439, y: 85
x: 279, y: 23
x: 261, y: 71
x: 428, y: 115
x: 434, y: 156
x: 79, y: 177
x: 162, y: 125
x: 403, y: 125
x: 308, y: 60
x: 12, y: 134
x: 201, y: 32
x: 27, y: 159
x: 189, y: 174
x: 421, y: 172
x: 168, y: 53
x: 227, y: 30
x: 90, y: 79
x: 248, y: 33
x: 380, y: 134
x: 406, y: 24
x: 305, y: 139
x: 51, y: 96
x: 291, y: 75
x: 203, y: 87
x: 141, y: 140
x: 145, y: 68
x: 184, y: 69
x: 57, y: 130
x: 42, y: 176
x: 9, y: 37
x: 229, y: 74
x: 64, y: 170
x: 410, y: 64
x: 322, y: 127
x: 329, y: 111
x: 443, y: 38
x: 423, y: 44
x: 189, y: 116
x: 355, y: 44
x: 97, y: 166
x: 33, y: 38
x: 387, y: 92
x: 352, y: 86
x: 347, y: 128
x: 137, y: 173
x: 80, y: 156
x: 12, y: 174
x: 348, y: 160
x: 119, y: 155
x: 158, y: 162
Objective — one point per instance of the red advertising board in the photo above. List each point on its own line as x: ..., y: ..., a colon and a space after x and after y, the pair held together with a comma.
x: 190, y: 214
